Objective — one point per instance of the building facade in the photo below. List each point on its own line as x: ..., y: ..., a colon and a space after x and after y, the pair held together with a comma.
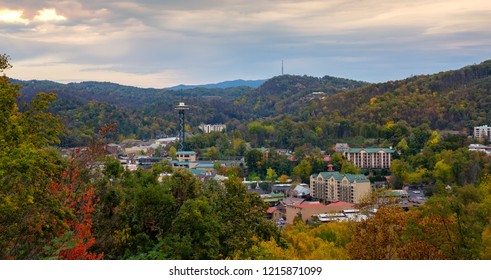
x: 334, y: 186
x: 186, y: 156
x: 483, y: 132
x: 208, y: 128
x: 370, y: 158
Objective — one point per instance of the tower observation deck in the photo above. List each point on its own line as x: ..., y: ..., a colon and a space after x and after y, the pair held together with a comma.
x: 181, y: 108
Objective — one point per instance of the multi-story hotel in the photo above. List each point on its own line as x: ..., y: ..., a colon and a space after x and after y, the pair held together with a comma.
x: 370, y: 158
x: 334, y: 186
x: 483, y: 131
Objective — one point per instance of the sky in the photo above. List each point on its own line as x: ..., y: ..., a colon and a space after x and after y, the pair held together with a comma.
x: 159, y: 44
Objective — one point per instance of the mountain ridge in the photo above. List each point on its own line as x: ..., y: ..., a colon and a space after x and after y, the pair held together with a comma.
x: 222, y: 85
x: 287, y: 110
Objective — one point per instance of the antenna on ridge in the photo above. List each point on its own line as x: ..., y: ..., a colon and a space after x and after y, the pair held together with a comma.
x: 282, y: 67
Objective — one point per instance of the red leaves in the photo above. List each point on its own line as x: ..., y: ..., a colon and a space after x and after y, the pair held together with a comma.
x: 76, y: 237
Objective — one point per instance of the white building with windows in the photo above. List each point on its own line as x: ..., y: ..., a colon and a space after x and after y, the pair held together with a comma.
x: 370, y: 158
x: 208, y: 128
x: 483, y: 132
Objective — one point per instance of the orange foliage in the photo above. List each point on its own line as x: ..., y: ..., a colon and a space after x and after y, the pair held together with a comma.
x: 75, y: 233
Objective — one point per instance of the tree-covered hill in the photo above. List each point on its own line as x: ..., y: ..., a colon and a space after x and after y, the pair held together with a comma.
x: 448, y: 100
x: 123, y: 96
x: 287, y: 110
x: 289, y: 93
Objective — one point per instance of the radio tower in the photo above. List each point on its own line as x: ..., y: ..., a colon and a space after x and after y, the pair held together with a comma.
x: 181, y: 108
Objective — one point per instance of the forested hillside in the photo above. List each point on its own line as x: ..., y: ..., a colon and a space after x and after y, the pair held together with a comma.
x: 149, y: 113
x: 452, y: 100
x: 448, y: 100
x: 286, y: 111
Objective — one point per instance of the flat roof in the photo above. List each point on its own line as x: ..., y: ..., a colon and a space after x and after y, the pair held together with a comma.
x: 186, y: 153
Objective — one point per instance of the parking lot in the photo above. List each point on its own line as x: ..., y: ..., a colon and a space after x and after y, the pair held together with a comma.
x: 416, y: 196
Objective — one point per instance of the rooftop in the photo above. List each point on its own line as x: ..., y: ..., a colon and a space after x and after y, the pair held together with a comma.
x: 370, y: 150
x: 186, y: 153
x: 338, y: 176
x: 341, y: 204
x: 308, y: 205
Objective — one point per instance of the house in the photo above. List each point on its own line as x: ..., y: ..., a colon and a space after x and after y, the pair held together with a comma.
x: 302, y: 190
x: 274, y: 214
x: 334, y: 186
x: 370, y: 158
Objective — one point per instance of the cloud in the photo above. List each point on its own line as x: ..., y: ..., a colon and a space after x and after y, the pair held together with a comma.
x: 213, y: 40
x: 13, y: 16
x: 48, y: 15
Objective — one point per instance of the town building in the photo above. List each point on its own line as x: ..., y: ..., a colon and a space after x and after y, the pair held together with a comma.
x: 308, y: 212
x: 480, y: 148
x: 370, y: 158
x: 209, y: 128
x: 186, y: 156
x: 334, y: 186
x: 341, y: 147
x: 482, y: 132
x: 301, y: 190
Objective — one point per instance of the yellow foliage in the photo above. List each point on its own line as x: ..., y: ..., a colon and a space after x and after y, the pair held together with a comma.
x: 301, y: 242
x: 389, y: 125
x: 486, y: 244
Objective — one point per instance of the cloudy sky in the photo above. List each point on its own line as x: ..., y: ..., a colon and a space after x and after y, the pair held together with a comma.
x: 153, y: 43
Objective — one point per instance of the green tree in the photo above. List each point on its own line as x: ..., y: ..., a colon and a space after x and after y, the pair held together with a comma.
x: 303, y: 171
x: 4, y: 62
x: 28, y: 167
x: 399, y: 170
x: 172, y: 152
x: 271, y: 175
x: 183, y: 186
x: 253, y: 159
x: 242, y: 217
x: 442, y: 173
x: 349, y: 168
x: 195, y: 232
x: 213, y: 153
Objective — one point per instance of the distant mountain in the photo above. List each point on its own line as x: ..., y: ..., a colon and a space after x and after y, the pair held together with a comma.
x: 223, y: 85
x: 125, y: 96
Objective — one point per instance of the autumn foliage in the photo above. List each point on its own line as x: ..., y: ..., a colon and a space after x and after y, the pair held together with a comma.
x: 78, y: 200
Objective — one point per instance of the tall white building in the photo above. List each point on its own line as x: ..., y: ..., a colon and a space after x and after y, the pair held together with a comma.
x: 208, y: 128
x: 370, y: 158
x: 483, y: 131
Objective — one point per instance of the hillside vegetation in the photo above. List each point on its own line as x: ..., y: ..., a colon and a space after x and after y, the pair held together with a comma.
x: 303, y: 109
